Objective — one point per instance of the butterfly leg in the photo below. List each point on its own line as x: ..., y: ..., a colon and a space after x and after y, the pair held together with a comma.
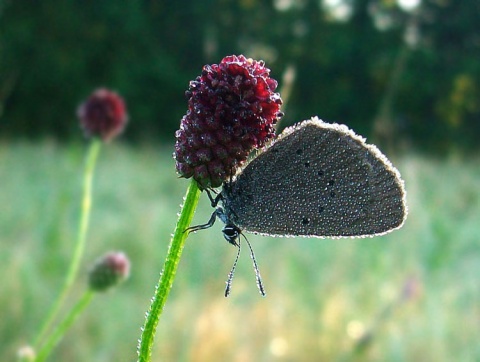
x: 209, y: 224
x: 213, y: 200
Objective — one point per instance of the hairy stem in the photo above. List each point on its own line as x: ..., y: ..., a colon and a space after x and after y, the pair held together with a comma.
x: 86, y: 205
x: 167, y: 276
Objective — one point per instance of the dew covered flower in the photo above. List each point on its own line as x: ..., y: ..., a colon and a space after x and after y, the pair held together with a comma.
x: 109, y: 270
x: 232, y: 110
x: 103, y: 114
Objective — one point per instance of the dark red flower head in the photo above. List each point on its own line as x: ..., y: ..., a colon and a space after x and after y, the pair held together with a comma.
x: 109, y: 270
x: 232, y: 109
x: 103, y: 114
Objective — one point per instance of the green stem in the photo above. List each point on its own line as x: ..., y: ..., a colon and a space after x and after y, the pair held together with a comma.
x: 63, y: 326
x: 90, y: 162
x: 168, y: 274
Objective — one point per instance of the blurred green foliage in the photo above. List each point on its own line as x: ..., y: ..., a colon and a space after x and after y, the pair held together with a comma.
x: 403, y: 77
x: 411, y: 295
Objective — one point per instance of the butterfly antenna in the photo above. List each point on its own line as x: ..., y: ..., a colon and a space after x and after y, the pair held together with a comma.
x: 255, y: 267
x: 232, y: 272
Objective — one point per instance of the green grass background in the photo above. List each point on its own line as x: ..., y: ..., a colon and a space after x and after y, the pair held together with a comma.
x: 412, y: 295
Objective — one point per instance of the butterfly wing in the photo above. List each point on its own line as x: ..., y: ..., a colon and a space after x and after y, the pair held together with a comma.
x: 320, y: 180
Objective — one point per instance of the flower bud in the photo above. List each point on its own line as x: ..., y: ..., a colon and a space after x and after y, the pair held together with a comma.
x: 111, y: 269
x: 103, y: 115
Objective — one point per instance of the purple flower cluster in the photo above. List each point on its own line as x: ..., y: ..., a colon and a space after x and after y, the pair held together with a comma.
x: 232, y: 109
x: 103, y: 114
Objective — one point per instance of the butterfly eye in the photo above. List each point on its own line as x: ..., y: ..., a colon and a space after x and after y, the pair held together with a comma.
x: 231, y: 233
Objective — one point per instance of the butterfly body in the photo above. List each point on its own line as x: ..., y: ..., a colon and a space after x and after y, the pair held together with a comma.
x: 317, y: 180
